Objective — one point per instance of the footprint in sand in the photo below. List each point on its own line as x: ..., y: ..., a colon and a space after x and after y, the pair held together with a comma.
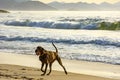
x: 23, y: 69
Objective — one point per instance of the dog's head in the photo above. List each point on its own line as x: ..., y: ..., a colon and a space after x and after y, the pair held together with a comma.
x: 39, y: 50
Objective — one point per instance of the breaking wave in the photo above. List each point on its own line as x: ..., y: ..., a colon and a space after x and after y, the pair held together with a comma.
x: 52, y: 24
x: 98, y: 41
x: 92, y: 58
x: 89, y: 24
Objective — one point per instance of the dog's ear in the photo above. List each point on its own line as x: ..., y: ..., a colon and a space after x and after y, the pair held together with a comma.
x: 40, y: 48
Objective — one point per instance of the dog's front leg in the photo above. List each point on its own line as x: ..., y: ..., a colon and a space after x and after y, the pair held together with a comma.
x: 45, y: 70
x: 42, y: 67
x: 50, y: 66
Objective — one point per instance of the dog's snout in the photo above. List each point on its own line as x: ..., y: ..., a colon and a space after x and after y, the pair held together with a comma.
x: 35, y: 50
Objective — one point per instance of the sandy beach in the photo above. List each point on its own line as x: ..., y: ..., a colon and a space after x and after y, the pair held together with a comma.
x: 27, y: 67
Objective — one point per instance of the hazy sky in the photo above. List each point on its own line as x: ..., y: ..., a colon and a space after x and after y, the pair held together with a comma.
x: 89, y: 1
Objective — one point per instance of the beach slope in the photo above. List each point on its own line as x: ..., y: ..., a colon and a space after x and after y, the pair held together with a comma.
x: 27, y: 67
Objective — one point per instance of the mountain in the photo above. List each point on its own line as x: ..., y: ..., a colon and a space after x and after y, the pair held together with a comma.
x: 117, y: 5
x: 34, y: 5
x: 37, y: 5
x: 73, y: 6
x: 106, y: 6
x: 85, y: 6
x: 57, y: 5
x: 24, y: 5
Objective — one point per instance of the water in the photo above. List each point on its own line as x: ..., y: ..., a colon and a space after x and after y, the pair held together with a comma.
x: 73, y: 33
x: 62, y: 20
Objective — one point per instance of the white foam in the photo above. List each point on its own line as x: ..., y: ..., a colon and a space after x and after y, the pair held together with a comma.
x: 88, y: 45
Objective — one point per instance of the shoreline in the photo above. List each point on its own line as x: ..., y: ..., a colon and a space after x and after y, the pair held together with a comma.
x: 85, y: 68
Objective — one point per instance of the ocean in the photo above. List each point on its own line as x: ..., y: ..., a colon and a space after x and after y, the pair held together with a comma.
x: 76, y: 34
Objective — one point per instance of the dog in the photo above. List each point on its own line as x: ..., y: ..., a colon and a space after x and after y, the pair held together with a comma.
x: 48, y: 57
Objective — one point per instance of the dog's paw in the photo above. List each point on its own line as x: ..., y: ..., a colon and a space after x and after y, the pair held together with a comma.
x: 48, y: 74
x: 42, y: 70
x: 66, y: 72
x: 42, y: 74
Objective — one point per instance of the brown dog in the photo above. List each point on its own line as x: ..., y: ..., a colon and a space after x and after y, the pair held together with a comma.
x: 48, y: 57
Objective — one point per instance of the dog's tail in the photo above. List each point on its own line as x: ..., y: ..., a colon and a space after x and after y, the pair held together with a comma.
x: 55, y: 47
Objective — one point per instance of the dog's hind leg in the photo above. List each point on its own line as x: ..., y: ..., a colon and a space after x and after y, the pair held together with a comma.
x: 60, y: 62
x: 50, y: 66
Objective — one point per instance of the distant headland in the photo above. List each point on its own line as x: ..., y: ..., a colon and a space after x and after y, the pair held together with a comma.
x: 4, y: 11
